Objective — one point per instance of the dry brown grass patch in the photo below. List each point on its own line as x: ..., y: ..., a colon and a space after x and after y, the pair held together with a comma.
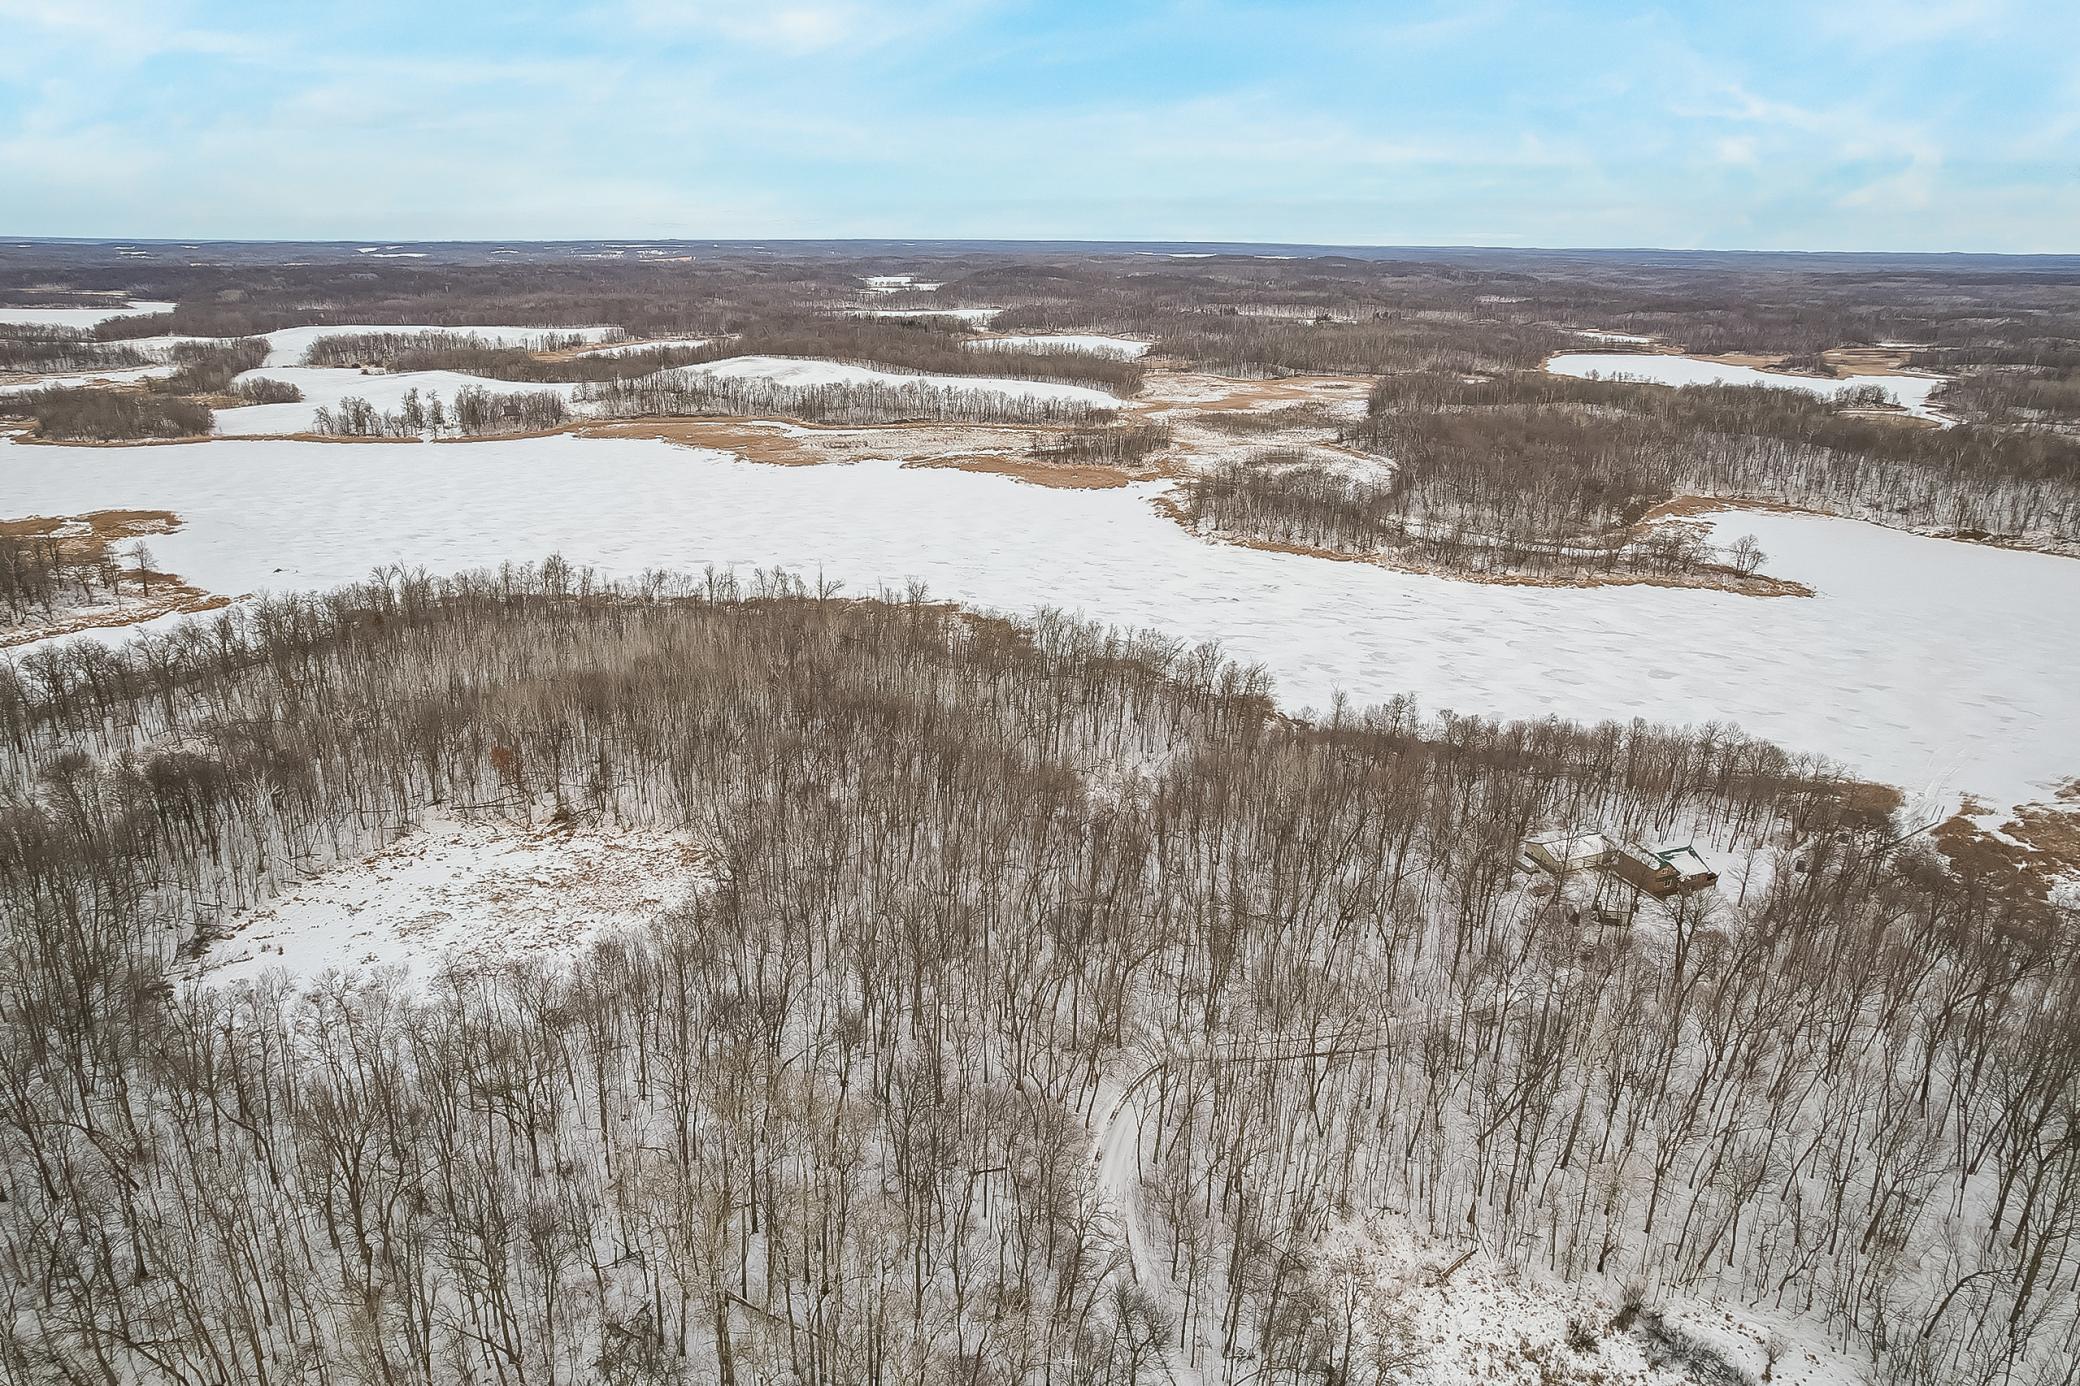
x: 1070, y: 476
x: 1868, y: 360
x: 104, y: 527
x: 2045, y: 850
x: 754, y: 442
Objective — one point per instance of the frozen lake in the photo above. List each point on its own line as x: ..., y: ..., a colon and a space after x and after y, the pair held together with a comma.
x: 1922, y: 662
x: 79, y: 317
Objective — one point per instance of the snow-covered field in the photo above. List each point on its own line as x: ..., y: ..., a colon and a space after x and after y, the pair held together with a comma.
x: 464, y: 893
x: 802, y: 370
x: 79, y: 317
x: 978, y: 316
x: 1599, y: 335
x: 328, y: 385
x: 1922, y: 662
x: 120, y: 376
x: 1909, y: 392
x: 1096, y: 345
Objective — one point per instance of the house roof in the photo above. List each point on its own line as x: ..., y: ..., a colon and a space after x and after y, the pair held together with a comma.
x: 1572, y: 845
x: 1684, y: 859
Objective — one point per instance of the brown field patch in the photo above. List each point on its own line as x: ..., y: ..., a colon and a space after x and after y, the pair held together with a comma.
x: 103, y: 526
x: 1868, y: 360
x: 1229, y: 393
x: 2037, y: 849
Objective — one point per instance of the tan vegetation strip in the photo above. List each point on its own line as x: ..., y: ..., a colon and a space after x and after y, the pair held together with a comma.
x: 1067, y: 477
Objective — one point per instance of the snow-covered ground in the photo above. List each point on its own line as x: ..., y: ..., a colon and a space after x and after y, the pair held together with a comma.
x: 162, y: 347
x: 1093, y: 343
x: 320, y: 385
x: 1922, y: 662
x: 804, y: 370
x: 1489, y: 1324
x: 456, y: 892
x: 896, y: 284
x: 1909, y: 392
x: 79, y: 317
x: 328, y: 385
x: 120, y: 376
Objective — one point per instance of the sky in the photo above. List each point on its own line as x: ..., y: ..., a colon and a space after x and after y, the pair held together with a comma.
x: 1905, y: 125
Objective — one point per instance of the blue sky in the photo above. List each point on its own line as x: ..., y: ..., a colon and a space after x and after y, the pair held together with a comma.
x: 1916, y: 125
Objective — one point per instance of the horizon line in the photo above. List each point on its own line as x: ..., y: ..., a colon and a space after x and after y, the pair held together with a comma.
x: 20, y: 240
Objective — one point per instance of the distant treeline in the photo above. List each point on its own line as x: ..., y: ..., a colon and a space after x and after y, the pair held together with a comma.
x: 693, y: 393
x: 1533, y: 473
x: 1550, y: 452
x: 448, y: 351
x: 923, y: 346
x: 475, y: 411
x: 49, y: 350
x: 1237, y: 313
x: 110, y: 415
x: 207, y: 368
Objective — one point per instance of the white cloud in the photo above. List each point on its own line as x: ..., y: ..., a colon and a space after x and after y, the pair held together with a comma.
x: 1909, y: 189
x: 119, y: 31
x: 1887, y: 24
x: 801, y: 27
x: 1741, y: 151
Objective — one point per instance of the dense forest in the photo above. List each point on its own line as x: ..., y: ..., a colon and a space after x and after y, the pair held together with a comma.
x: 1528, y: 472
x: 684, y: 393
x: 1040, y: 1005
